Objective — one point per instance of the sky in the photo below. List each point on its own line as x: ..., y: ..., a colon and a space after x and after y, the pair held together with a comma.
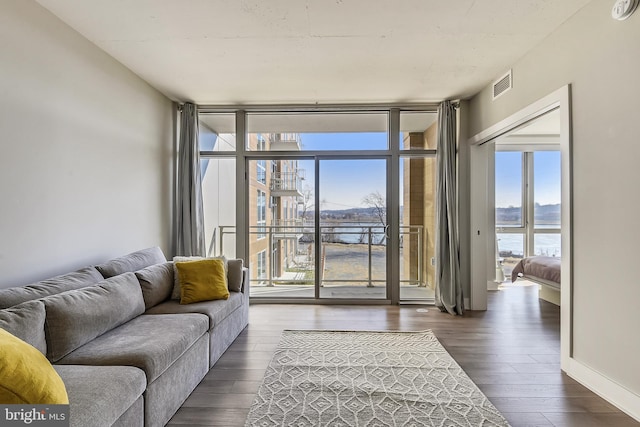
x: 344, y: 183
x: 546, y: 170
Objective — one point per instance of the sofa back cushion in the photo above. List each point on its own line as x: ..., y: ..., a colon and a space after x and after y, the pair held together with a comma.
x: 26, y: 321
x: 156, y: 282
x: 132, y: 262
x: 77, y: 317
x: 78, y: 279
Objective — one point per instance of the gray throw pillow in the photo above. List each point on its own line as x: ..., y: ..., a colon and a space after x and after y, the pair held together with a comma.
x: 234, y: 274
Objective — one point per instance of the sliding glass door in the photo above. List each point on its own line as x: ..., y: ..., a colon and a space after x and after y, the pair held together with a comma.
x: 317, y: 213
x: 353, y: 229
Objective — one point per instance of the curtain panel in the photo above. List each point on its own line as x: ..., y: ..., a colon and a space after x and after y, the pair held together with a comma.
x: 449, y: 296
x: 190, y: 214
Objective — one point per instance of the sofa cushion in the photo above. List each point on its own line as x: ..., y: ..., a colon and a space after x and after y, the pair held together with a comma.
x: 99, y: 395
x: 26, y: 376
x: 132, y: 262
x: 216, y: 311
x: 156, y: 282
x: 76, y: 317
x: 134, y: 417
x: 78, y: 279
x: 151, y: 343
x: 234, y: 274
x: 203, y: 280
x: 175, y: 294
x: 26, y: 321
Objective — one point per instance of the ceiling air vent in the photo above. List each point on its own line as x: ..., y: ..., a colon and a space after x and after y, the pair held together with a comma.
x: 502, y: 85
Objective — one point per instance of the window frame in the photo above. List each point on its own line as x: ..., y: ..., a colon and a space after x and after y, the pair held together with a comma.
x: 528, y: 229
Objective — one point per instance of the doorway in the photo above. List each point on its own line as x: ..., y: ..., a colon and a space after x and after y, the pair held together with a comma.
x: 337, y: 251
x: 483, y: 218
x: 528, y: 194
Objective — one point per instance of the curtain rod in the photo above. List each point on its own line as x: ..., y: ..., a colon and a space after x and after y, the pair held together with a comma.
x: 432, y: 107
x: 319, y: 107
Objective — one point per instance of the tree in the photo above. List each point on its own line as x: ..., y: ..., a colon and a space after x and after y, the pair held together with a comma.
x: 307, y: 202
x: 377, y: 202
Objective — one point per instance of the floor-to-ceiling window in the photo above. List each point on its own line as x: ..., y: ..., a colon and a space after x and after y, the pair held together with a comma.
x: 217, y: 136
x: 328, y: 205
x: 417, y: 225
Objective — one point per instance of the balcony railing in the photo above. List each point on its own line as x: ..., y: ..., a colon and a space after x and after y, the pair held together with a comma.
x: 286, y: 184
x: 289, y: 228
x: 363, y: 238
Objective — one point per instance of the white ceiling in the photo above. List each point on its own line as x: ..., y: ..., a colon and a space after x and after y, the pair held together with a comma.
x: 308, y: 51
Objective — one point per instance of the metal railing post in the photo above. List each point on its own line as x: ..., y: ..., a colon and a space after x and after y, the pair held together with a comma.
x: 370, y: 285
x: 212, y: 244
x: 270, y: 252
x: 420, y: 243
x: 221, y: 239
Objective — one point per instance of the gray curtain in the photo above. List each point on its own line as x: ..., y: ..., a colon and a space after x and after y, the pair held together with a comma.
x: 448, y: 287
x: 190, y: 214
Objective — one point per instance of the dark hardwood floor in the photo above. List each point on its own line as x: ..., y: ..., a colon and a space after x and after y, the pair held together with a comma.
x: 511, y: 351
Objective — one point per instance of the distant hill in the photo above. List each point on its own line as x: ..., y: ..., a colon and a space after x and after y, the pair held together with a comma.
x: 348, y: 214
x: 546, y: 214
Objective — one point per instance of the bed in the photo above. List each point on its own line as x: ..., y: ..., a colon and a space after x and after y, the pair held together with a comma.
x: 543, y: 270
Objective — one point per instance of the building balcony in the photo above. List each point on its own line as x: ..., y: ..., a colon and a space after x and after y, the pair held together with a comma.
x: 285, y: 184
x: 284, y: 142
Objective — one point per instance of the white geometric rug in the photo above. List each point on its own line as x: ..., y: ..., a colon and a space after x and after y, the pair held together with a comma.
x: 372, y: 379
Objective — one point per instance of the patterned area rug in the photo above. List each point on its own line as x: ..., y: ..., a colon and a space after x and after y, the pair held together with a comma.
x: 326, y: 378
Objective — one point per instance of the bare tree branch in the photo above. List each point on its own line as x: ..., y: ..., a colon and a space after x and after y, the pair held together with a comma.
x: 376, y: 201
x: 307, y: 202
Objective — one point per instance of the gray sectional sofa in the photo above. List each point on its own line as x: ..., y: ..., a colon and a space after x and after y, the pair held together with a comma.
x: 128, y: 354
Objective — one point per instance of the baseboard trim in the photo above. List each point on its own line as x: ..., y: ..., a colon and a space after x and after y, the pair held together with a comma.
x: 620, y: 397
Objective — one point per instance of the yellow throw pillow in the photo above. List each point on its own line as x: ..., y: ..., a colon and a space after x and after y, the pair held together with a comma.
x: 202, y: 280
x: 26, y: 376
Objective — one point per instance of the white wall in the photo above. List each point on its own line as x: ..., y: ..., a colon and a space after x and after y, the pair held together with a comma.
x: 600, y: 58
x: 86, y: 151
x: 464, y: 212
